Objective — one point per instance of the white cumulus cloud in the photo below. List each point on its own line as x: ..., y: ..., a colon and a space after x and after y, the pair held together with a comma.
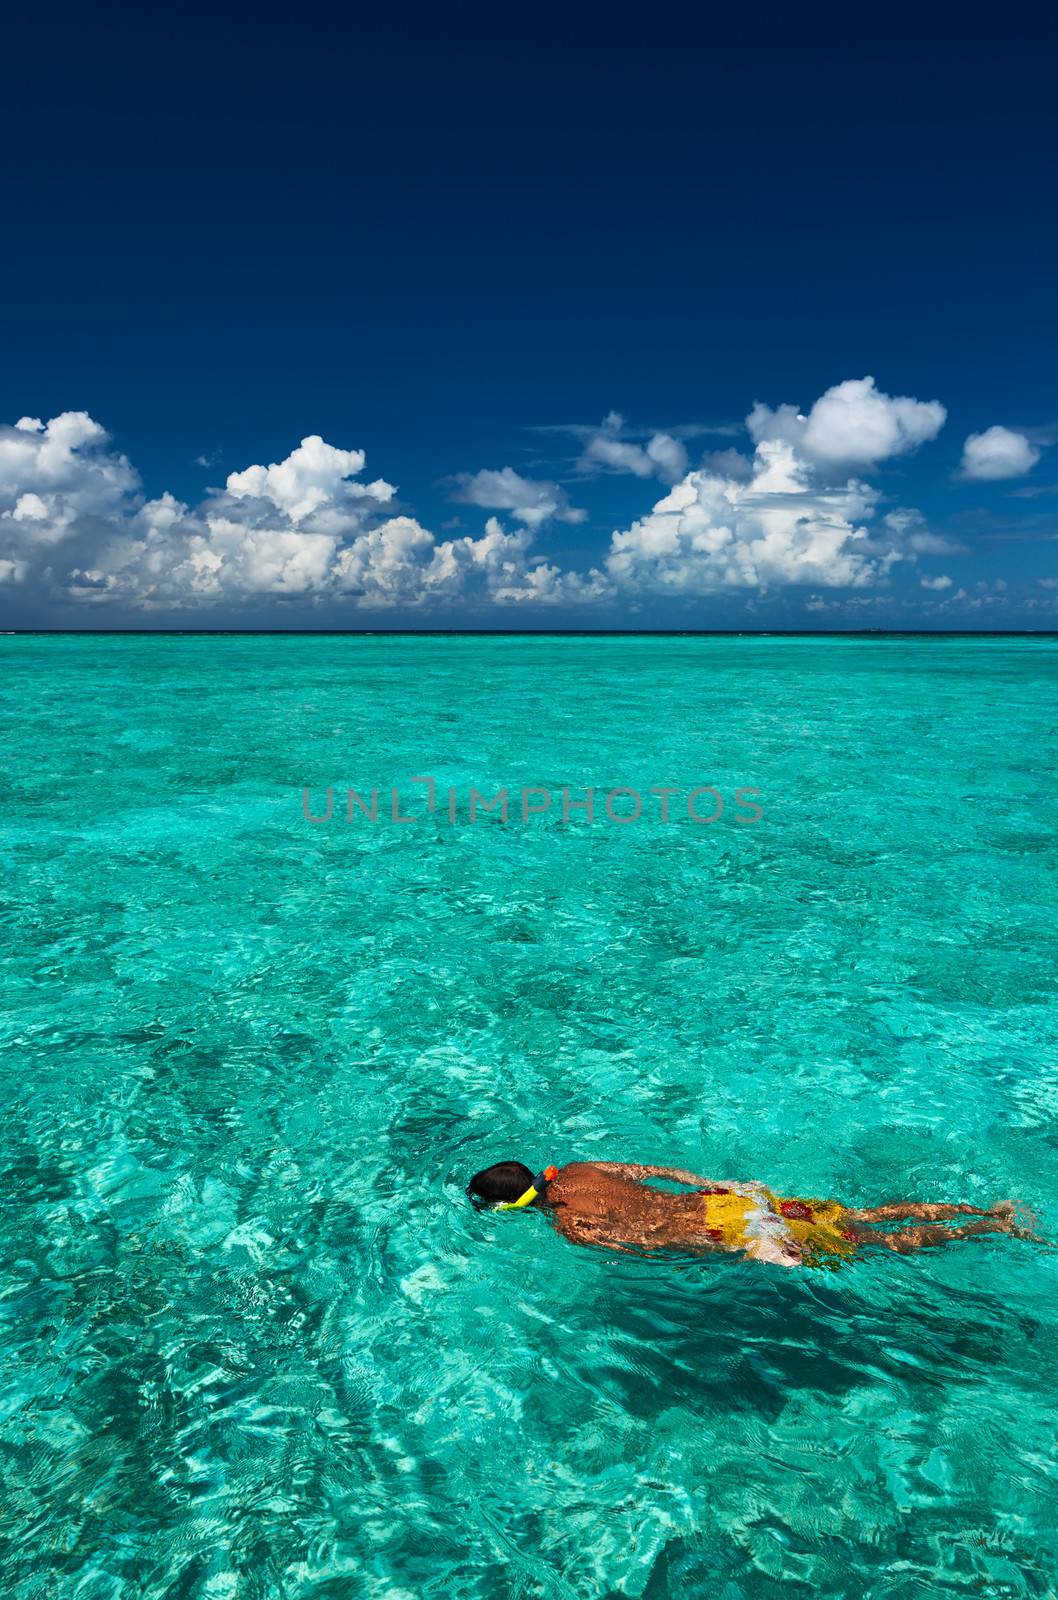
x: 909, y: 530
x: 661, y: 457
x: 997, y: 453
x: 711, y: 533
x: 272, y: 531
x: 76, y: 526
x: 56, y: 479
x: 533, y: 501
x: 74, y: 518
x: 852, y: 425
x: 795, y: 514
x: 312, y: 477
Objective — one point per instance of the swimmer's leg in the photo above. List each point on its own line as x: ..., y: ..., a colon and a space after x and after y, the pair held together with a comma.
x: 904, y: 1240
x: 914, y: 1211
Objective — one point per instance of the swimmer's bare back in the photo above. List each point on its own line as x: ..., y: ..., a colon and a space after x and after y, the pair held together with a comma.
x: 611, y: 1205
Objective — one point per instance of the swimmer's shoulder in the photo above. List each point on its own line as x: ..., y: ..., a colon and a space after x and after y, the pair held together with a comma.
x: 578, y: 1177
x: 574, y: 1176
x: 579, y: 1171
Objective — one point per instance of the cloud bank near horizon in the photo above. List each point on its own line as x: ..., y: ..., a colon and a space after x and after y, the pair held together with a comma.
x: 76, y: 527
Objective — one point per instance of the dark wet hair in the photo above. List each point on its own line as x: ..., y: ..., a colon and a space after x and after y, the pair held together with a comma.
x: 506, y: 1181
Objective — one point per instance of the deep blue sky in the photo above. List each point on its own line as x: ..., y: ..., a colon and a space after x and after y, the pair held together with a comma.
x: 430, y: 233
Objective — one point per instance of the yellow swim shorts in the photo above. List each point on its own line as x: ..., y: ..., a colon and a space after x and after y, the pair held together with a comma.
x: 817, y: 1227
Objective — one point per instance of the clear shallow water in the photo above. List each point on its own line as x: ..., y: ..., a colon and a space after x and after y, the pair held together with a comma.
x: 253, y: 1342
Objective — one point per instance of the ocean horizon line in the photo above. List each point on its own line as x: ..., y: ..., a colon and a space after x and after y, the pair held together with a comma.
x: 542, y: 633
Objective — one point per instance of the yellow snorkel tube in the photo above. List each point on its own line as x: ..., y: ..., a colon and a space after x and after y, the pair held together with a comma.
x: 534, y: 1191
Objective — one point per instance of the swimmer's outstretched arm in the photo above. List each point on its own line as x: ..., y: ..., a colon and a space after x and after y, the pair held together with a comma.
x: 628, y: 1169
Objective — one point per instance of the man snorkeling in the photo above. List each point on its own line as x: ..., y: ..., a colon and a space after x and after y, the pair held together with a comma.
x: 609, y: 1204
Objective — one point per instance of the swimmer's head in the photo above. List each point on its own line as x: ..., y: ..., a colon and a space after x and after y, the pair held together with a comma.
x: 502, y: 1184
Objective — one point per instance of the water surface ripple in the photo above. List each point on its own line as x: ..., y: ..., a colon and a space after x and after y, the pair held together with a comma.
x: 254, y: 1343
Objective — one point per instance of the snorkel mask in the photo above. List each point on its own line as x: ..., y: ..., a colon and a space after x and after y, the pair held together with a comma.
x: 534, y: 1191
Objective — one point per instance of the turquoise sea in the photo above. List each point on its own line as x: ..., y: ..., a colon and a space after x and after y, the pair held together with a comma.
x: 253, y: 1340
